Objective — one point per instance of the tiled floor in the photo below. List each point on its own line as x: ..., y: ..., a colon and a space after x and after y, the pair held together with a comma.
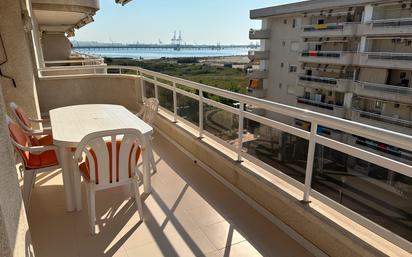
x: 189, y: 213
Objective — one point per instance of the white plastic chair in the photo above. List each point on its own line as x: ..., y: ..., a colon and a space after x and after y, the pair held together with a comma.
x: 106, y: 166
x: 26, y: 122
x: 148, y: 114
x: 36, y: 159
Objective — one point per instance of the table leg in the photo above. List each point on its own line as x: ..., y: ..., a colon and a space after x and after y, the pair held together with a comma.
x: 66, y: 159
x: 146, y: 167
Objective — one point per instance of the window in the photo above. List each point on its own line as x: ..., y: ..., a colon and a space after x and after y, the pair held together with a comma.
x: 293, y: 68
x: 294, y: 46
x: 281, y: 65
x: 294, y: 23
x: 321, y: 21
x: 280, y: 85
x: 285, y: 21
x: 283, y: 43
x: 318, y: 47
x: 396, y: 106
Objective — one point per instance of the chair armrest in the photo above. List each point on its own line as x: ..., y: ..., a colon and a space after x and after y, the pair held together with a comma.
x: 38, y: 120
x: 45, y: 131
x: 35, y: 149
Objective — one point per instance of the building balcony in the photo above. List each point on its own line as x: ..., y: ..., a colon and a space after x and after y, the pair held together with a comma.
x: 329, y: 109
x: 257, y: 74
x: 66, y: 14
x: 328, y: 57
x: 330, y: 30
x: 382, y: 121
x: 382, y: 91
x: 259, y: 34
x: 256, y: 168
x: 332, y: 84
x: 402, y: 26
x: 387, y: 60
x: 258, y: 55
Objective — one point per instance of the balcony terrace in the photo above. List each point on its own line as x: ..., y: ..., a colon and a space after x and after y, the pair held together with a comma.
x: 258, y: 55
x: 382, y: 27
x: 378, y: 120
x: 382, y: 91
x: 327, y: 83
x: 259, y: 34
x: 345, y: 29
x: 387, y: 60
x: 328, y: 57
x: 329, y: 109
x: 184, y: 217
x: 204, y: 148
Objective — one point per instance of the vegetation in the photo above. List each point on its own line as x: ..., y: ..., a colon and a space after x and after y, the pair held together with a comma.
x: 189, y: 68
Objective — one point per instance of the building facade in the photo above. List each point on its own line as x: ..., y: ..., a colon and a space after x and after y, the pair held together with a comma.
x: 349, y: 59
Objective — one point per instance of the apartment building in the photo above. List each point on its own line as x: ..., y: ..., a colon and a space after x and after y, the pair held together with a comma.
x: 349, y: 59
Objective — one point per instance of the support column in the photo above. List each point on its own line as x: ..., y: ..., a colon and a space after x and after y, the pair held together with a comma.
x: 368, y: 14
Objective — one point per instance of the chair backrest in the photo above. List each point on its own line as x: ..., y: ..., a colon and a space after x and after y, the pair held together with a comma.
x: 21, y: 116
x: 110, y: 165
x: 18, y: 137
x: 150, y: 108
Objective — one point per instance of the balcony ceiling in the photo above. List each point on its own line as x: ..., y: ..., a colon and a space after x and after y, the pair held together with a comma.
x: 57, y: 21
x: 58, y: 16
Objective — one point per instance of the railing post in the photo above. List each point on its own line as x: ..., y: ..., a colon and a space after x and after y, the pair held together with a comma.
x: 310, y: 160
x: 174, y: 102
x: 200, y: 113
x: 240, y: 131
x: 156, y: 89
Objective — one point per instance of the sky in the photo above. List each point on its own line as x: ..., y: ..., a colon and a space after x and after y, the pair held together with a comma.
x: 200, y: 21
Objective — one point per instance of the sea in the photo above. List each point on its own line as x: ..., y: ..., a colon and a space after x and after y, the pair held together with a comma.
x: 151, y: 54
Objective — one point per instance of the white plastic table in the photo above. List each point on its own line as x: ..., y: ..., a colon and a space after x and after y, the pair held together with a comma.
x: 71, y: 124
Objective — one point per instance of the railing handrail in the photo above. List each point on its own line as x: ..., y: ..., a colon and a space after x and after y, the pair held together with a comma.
x: 379, y: 134
x: 331, y: 23
x: 389, y: 20
x: 319, y: 77
x: 71, y: 68
x: 319, y: 103
x: 390, y: 88
x: 88, y: 60
x: 333, y: 52
x: 387, y: 53
x: 384, y: 117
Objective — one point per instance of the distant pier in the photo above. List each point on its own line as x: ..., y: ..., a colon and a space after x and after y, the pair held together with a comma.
x: 158, y: 46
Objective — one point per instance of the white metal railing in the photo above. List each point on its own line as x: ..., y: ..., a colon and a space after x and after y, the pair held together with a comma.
x: 389, y: 56
x: 383, y: 118
x: 392, y: 22
x: 385, y: 88
x: 317, y: 79
x: 198, y: 91
x: 79, y: 62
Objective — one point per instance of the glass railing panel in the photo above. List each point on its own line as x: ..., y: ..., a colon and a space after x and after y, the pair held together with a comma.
x: 222, y: 124
x: 280, y: 150
x: 376, y: 193
x: 149, y: 89
x: 165, y: 98
x: 188, y: 108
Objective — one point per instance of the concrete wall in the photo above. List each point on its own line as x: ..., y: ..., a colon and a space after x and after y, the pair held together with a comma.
x: 15, y: 237
x: 89, y: 89
x: 55, y: 47
x: 19, y: 64
x: 279, y: 79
